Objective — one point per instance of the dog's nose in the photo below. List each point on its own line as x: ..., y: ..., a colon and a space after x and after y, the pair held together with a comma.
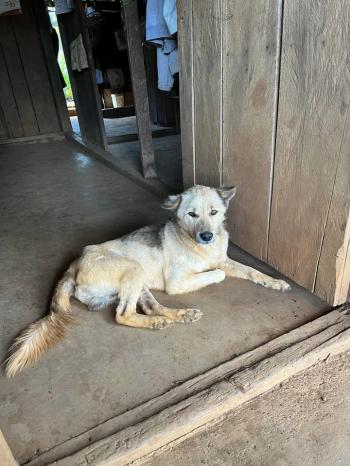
x: 206, y: 236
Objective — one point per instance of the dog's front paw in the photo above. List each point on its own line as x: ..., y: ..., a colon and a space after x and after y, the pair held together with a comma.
x: 191, y: 315
x: 219, y: 275
x: 278, y: 285
x: 284, y: 286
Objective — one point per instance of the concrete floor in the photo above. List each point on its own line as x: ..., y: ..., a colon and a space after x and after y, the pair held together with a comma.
x: 115, y: 127
x: 127, y: 154
x: 55, y: 199
x: 167, y: 155
x: 305, y: 421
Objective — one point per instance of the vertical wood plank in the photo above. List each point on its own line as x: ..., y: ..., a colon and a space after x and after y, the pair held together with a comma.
x: 8, y: 104
x: 313, y: 103
x: 150, y: 55
x: 333, y: 273
x: 185, y: 44
x: 35, y: 70
x: 3, y: 128
x: 43, y: 26
x: 139, y: 86
x: 18, y: 80
x: 251, y: 47
x: 207, y: 90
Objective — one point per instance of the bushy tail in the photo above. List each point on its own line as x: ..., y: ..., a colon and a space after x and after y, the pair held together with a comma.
x: 46, y: 332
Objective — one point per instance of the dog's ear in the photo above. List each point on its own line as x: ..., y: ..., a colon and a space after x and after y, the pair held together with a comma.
x: 226, y: 194
x: 171, y: 202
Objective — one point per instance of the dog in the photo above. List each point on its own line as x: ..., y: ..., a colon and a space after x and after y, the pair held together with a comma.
x: 186, y: 254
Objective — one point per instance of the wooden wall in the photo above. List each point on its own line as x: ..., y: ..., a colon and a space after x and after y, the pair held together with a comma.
x: 265, y: 100
x: 30, y: 101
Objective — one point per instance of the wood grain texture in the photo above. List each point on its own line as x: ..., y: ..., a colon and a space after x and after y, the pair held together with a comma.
x: 312, y: 123
x: 9, y: 110
x: 43, y: 26
x: 207, y: 90
x: 19, y: 85
x: 150, y: 56
x: 251, y: 36
x: 181, y: 420
x: 84, y: 87
x: 35, y: 70
x: 333, y: 273
x: 3, y: 128
x: 139, y: 86
x: 185, y: 44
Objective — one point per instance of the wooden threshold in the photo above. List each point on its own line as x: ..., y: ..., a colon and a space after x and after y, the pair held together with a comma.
x: 186, y: 409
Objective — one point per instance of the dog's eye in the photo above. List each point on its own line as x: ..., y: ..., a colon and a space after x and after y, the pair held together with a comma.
x: 192, y: 214
x: 213, y: 212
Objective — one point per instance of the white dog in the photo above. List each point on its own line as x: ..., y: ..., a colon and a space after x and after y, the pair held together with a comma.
x: 189, y: 252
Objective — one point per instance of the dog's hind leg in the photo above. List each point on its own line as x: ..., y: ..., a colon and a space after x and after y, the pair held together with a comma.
x: 130, y: 288
x: 150, y: 306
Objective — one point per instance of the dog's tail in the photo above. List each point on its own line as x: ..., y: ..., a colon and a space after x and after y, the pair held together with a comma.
x: 46, y: 332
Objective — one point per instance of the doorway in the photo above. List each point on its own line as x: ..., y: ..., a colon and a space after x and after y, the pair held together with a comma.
x: 103, y: 26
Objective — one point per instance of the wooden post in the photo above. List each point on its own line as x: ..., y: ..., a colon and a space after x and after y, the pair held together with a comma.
x: 43, y: 25
x: 185, y: 40
x: 139, y: 85
x: 84, y: 87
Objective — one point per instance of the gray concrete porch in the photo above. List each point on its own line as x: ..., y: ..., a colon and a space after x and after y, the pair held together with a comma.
x: 54, y: 199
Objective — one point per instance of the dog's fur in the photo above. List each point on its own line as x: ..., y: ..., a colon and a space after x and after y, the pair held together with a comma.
x: 173, y: 258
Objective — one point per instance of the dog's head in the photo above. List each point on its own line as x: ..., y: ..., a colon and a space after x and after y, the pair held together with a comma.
x: 200, y: 211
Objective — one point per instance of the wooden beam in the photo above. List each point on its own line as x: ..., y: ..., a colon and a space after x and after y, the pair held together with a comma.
x: 84, y: 87
x: 333, y: 272
x: 301, y: 350
x: 139, y: 85
x: 185, y: 42
x: 43, y: 25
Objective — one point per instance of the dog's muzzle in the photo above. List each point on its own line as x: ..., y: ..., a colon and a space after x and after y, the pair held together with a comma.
x: 205, y: 237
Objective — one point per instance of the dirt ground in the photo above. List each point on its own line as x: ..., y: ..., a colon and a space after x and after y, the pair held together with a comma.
x: 305, y: 421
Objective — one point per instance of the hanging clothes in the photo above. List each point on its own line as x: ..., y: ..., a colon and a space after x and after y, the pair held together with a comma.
x: 170, y: 15
x: 161, y: 25
x: 63, y: 6
x: 167, y: 64
x: 156, y: 26
x: 78, y: 56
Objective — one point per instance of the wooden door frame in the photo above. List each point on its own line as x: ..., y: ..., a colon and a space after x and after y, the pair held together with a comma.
x: 85, y: 90
x: 84, y: 87
x: 43, y: 24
